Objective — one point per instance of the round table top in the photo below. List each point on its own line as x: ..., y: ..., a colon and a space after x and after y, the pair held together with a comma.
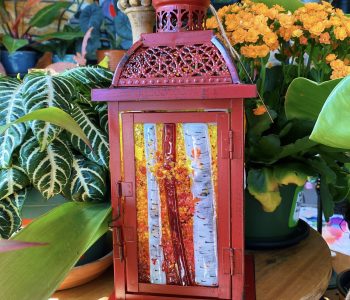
x: 299, y: 272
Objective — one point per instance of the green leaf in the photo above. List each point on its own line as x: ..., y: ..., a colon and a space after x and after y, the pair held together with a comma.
x: 305, y: 98
x: 99, y: 140
x: 10, y: 218
x: 263, y: 185
x: 55, y: 116
x: 43, y: 91
x: 103, y: 116
x: 87, y: 78
x: 290, y: 5
x: 326, y: 199
x: 11, y: 44
x: 49, y: 170
x: 48, y: 14
x: 87, y: 182
x: 69, y: 230
x: 11, y: 108
x: 12, y: 180
x: 302, y: 144
x: 65, y: 36
x: 266, y: 150
x: 332, y: 126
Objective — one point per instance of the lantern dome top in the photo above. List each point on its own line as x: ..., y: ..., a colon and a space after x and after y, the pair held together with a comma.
x: 180, y: 15
x: 176, y: 59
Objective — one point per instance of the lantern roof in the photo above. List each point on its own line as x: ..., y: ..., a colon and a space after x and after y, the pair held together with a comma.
x: 176, y: 58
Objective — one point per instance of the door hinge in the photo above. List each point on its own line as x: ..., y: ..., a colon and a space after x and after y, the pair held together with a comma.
x: 124, y: 189
x: 231, y: 146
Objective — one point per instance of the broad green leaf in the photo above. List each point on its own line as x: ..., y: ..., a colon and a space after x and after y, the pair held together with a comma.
x: 87, y: 78
x: 43, y: 91
x: 48, y: 14
x: 98, y: 139
x: 263, y: 185
x: 55, y: 116
x: 292, y: 173
x: 103, y: 116
x: 290, y: 5
x: 266, y: 150
x: 11, y: 108
x: 87, y: 182
x: 69, y: 230
x: 66, y: 36
x: 332, y: 125
x: 259, y: 123
x: 49, y: 170
x: 305, y: 98
x: 11, y: 44
x: 12, y: 180
x: 9, y: 245
x: 302, y: 144
x: 10, y: 218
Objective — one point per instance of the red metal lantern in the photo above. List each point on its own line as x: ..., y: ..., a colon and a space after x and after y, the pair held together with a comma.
x: 177, y: 140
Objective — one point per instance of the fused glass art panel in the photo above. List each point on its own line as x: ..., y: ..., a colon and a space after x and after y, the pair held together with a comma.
x: 176, y: 188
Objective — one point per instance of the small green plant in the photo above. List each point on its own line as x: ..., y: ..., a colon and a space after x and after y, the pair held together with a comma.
x: 17, y: 32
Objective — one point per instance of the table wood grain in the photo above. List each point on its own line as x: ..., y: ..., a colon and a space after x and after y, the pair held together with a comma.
x: 300, y: 272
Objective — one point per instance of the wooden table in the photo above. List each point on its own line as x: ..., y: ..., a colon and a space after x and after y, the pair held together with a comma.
x: 300, y: 272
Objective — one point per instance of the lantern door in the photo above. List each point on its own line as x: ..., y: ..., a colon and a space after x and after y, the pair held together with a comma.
x: 177, y: 208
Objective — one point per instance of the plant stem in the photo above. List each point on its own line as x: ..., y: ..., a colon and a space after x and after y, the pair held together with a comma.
x: 309, y: 60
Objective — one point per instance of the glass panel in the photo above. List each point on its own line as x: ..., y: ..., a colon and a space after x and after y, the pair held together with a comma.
x: 176, y: 184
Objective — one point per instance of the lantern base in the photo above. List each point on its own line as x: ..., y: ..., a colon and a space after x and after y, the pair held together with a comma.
x: 301, y: 232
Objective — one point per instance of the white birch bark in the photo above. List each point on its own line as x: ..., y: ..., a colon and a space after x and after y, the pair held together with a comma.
x: 204, y: 223
x: 157, y: 276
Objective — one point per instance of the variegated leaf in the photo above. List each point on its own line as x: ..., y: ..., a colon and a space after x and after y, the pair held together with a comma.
x: 41, y: 91
x: 103, y: 116
x: 12, y: 180
x: 97, y: 138
x: 11, y: 108
x: 10, y: 207
x: 49, y: 170
x: 90, y: 113
x: 86, y: 78
x: 87, y: 182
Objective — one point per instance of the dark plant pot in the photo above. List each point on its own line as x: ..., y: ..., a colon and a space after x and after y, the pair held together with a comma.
x: 19, y: 62
x: 343, y: 283
x: 66, y: 58
x: 273, y: 230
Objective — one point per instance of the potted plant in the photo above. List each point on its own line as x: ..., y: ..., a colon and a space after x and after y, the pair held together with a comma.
x: 277, y: 47
x: 47, y: 158
x: 111, y: 34
x: 18, y: 40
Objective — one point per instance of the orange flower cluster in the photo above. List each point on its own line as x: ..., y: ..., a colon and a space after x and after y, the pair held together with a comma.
x: 248, y: 26
x: 255, y: 30
x: 340, y: 68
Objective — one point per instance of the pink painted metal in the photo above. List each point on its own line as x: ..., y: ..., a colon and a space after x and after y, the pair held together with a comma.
x: 180, y: 75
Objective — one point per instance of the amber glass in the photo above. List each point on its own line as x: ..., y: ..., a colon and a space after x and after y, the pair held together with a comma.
x: 176, y: 188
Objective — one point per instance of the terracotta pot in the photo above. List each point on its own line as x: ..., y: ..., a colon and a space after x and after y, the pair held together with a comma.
x: 82, y: 274
x: 159, y: 3
x: 142, y: 20
x: 114, y: 57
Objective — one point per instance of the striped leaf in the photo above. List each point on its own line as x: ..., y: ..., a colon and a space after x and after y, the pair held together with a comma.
x: 97, y: 138
x: 11, y: 108
x: 87, y: 182
x: 42, y: 91
x: 10, y: 219
x: 87, y: 78
x: 102, y: 110
x: 50, y: 169
x: 12, y: 180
